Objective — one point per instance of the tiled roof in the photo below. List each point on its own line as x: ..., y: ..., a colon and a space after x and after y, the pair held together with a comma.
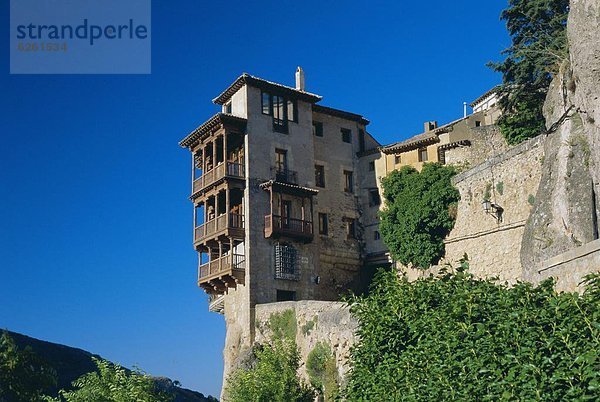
x: 411, y: 143
x: 340, y: 113
x: 288, y: 188
x: 211, y: 124
x: 485, y: 95
x: 246, y: 78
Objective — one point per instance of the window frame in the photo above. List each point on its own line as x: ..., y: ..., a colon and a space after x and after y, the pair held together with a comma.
x: 348, y: 132
x: 317, y: 129
x: 350, y: 228
x: 323, y: 223
x: 348, y: 181
x: 420, y: 153
x: 321, y: 168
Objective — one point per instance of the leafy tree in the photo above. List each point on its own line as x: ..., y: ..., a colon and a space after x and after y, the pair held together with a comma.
x: 417, y: 214
x: 272, y: 378
x: 322, y: 371
x: 24, y: 376
x: 112, y: 383
x: 539, y: 46
x: 454, y: 337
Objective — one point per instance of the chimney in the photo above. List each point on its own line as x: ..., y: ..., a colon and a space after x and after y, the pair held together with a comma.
x: 300, y: 79
x: 429, y: 125
x: 464, y: 109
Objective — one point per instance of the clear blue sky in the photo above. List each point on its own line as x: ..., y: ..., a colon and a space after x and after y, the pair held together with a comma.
x: 95, y: 224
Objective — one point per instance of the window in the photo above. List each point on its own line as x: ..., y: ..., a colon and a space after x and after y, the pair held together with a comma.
x: 320, y: 175
x: 286, y: 262
x: 346, y: 135
x: 348, y: 181
x: 374, y: 198
x: 350, y: 228
x: 423, y: 155
x: 372, y: 166
x: 286, y: 295
x: 317, y: 128
x: 292, y: 114
x: 266, y: 103
x: 279, y: 120
x: 323, y: 224
x: 282, y: 110
x: 281, y: 160
x: 376, y: 235
x: 286, y: 213
x: 477, y: 123
x: 227, y: 107
x: 397, y: 159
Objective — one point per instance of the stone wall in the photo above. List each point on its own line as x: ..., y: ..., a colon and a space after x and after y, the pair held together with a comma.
x: 317, y: 321
x: 570, y: 268
x: 510, y: 180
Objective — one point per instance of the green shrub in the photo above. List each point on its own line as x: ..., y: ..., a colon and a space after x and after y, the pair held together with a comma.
x: 113, y: 383
x: 306, y: 328
x: 454, y: 337
x: 273, y: 377
x: 322, y: 371
x: 24, y: 376
x: 283, y: 325
x: 418, y: 213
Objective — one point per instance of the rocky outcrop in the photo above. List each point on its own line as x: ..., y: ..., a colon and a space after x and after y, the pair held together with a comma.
x: 567, y: 202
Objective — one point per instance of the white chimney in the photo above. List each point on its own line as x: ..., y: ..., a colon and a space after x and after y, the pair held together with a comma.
x: 464, y: 109
x: 300, y: 79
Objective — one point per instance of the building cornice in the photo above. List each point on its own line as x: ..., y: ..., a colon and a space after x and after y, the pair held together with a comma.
x: 287, y: 188
x: 340, y: 113
x: 247, y: 79
x: 211, y: 125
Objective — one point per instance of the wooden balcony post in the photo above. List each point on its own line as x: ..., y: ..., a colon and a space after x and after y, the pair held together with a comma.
x: 225, y: 150
x: 220, y: 255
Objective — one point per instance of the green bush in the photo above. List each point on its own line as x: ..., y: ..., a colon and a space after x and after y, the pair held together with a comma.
x: 417, y: 214
x: 322, y: 371
x: 454, y: 337
x: 273, y: 376
x: 24, y: 376
x: 283, y: 325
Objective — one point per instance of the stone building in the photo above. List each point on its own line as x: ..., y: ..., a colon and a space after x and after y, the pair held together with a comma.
x: 285, y: 198
x: 435, y: 142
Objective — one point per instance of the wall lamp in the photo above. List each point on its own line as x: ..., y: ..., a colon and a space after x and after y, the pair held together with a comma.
x: 493, y: 209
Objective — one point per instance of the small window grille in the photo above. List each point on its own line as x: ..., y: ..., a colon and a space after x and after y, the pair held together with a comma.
x: 286, y: 262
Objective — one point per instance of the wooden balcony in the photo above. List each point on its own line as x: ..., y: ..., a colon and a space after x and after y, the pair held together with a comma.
x: 285, y: 175
x: 220, y: 172
x: 221, y: 273
x: 277, y: 226
x: 229, y: 225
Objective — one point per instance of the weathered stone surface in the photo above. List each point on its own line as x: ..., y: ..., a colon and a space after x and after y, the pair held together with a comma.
x: 317, y: 321
x: 566, y: 209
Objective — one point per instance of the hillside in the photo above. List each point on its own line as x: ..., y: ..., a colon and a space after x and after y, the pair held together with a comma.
x: 70, y: 363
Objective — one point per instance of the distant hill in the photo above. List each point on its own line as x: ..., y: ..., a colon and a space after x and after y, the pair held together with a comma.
x: 70, y: 363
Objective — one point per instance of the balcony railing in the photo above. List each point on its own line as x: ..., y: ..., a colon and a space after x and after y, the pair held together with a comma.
x: 224, y: 265
x: 276, y: 225
x: 285, y: 175
x: 228, y: 169
x: 217, y: 225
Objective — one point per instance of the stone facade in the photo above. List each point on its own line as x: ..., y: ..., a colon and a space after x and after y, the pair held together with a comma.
x: 316, y: 321
x: 279, y: 215
x: 493, y: 247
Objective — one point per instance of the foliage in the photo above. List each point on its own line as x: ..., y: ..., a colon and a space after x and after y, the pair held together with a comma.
x: 24, y: 376
x: 283, y: 325
x: 539, y: 46
x: 417, y: 214
x: 273, y: 376
x: 322, y: 371
x: 454, y: 337
x: 500, y: 188
x: 112, y: 383
x: 306, y: 328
